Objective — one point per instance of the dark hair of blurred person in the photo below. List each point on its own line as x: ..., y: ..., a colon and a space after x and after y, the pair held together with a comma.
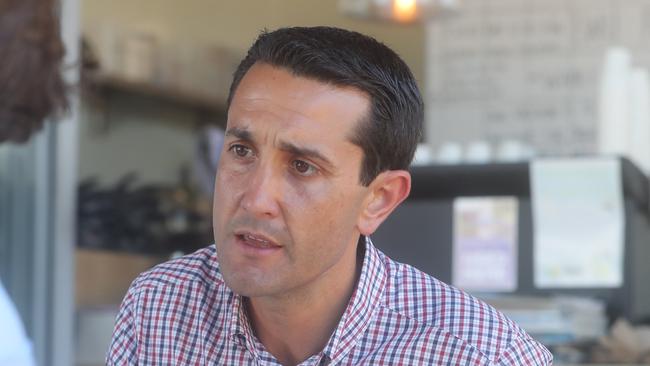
x: 31, y: 55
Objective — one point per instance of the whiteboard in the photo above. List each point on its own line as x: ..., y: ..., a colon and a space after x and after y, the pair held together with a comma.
x: 527, y: 70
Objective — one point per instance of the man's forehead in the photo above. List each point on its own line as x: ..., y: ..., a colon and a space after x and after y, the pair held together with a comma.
x: 292, y: 140
x: 271, y: 93
x: 265, y: 83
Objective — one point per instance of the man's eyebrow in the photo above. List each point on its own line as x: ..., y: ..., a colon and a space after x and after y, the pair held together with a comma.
x: 306, y: 152
x: 239, y: 133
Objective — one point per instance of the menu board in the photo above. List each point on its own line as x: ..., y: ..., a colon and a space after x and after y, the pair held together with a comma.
x: 527, y: 70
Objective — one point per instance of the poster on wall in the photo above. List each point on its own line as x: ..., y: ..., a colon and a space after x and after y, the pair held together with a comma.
x: 578, y: 223
x: 485, y: 244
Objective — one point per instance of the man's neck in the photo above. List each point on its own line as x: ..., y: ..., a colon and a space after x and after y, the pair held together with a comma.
x: 293, y: 328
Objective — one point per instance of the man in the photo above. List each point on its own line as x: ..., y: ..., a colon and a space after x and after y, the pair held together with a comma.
x: 322, y: 125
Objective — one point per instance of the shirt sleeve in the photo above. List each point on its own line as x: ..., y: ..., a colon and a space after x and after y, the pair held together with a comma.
x: 525, y: 351
x: 124, y: 344
x: 15, y: 347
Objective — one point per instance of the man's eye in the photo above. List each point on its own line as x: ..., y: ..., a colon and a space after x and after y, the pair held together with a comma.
x: 241, y: 150
x: 303, y: 168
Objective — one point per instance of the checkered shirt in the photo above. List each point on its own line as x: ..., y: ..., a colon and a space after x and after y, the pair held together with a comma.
x: 182, y: 313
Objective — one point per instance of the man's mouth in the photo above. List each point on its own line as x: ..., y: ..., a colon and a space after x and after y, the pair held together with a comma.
x: 256, y: 240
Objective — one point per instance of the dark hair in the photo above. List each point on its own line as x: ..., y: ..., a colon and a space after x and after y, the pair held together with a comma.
x: 31, y: 53
x: 389, y: 134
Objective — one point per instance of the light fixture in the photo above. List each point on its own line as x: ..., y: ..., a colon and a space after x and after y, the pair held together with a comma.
x: 401, y: 11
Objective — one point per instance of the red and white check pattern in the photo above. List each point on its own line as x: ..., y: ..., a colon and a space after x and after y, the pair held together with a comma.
x: 182, y: 313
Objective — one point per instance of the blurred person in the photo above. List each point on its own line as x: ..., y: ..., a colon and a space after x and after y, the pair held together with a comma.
x: 31, y: 53
x: 31, y: 90
x: 322, y: 126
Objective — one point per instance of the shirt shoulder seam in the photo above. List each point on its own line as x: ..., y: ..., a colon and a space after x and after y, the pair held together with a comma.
x: 515, y: 336
x: 154, y: 278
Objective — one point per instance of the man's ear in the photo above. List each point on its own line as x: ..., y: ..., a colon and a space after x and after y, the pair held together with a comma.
x: 385, y: 193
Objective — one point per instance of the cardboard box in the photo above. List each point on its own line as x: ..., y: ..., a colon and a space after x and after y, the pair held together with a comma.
x: 103, y: 277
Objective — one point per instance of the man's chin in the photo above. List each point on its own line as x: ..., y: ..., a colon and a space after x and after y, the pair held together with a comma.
x: 248, y: 285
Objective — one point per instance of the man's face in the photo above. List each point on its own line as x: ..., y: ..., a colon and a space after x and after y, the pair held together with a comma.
x: 287, y: 193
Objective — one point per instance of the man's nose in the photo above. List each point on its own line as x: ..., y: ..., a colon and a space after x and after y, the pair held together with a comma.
x: 262, y: 192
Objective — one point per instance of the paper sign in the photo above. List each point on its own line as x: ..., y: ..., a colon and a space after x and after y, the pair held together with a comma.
x: 485, y: 244
x: 578, y: 221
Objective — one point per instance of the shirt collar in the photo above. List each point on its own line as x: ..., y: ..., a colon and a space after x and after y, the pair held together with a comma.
x: 240, y: 329
x: 355, y: 320
x: 363, y: 303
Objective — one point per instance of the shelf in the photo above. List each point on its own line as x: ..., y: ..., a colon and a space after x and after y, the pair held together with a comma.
x: 107, y: 84
x: 505, y: 179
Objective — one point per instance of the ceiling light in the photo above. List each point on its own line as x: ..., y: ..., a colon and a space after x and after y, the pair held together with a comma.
x: 401, y: 11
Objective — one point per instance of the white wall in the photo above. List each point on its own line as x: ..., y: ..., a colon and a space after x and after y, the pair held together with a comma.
x: 236, y: 23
